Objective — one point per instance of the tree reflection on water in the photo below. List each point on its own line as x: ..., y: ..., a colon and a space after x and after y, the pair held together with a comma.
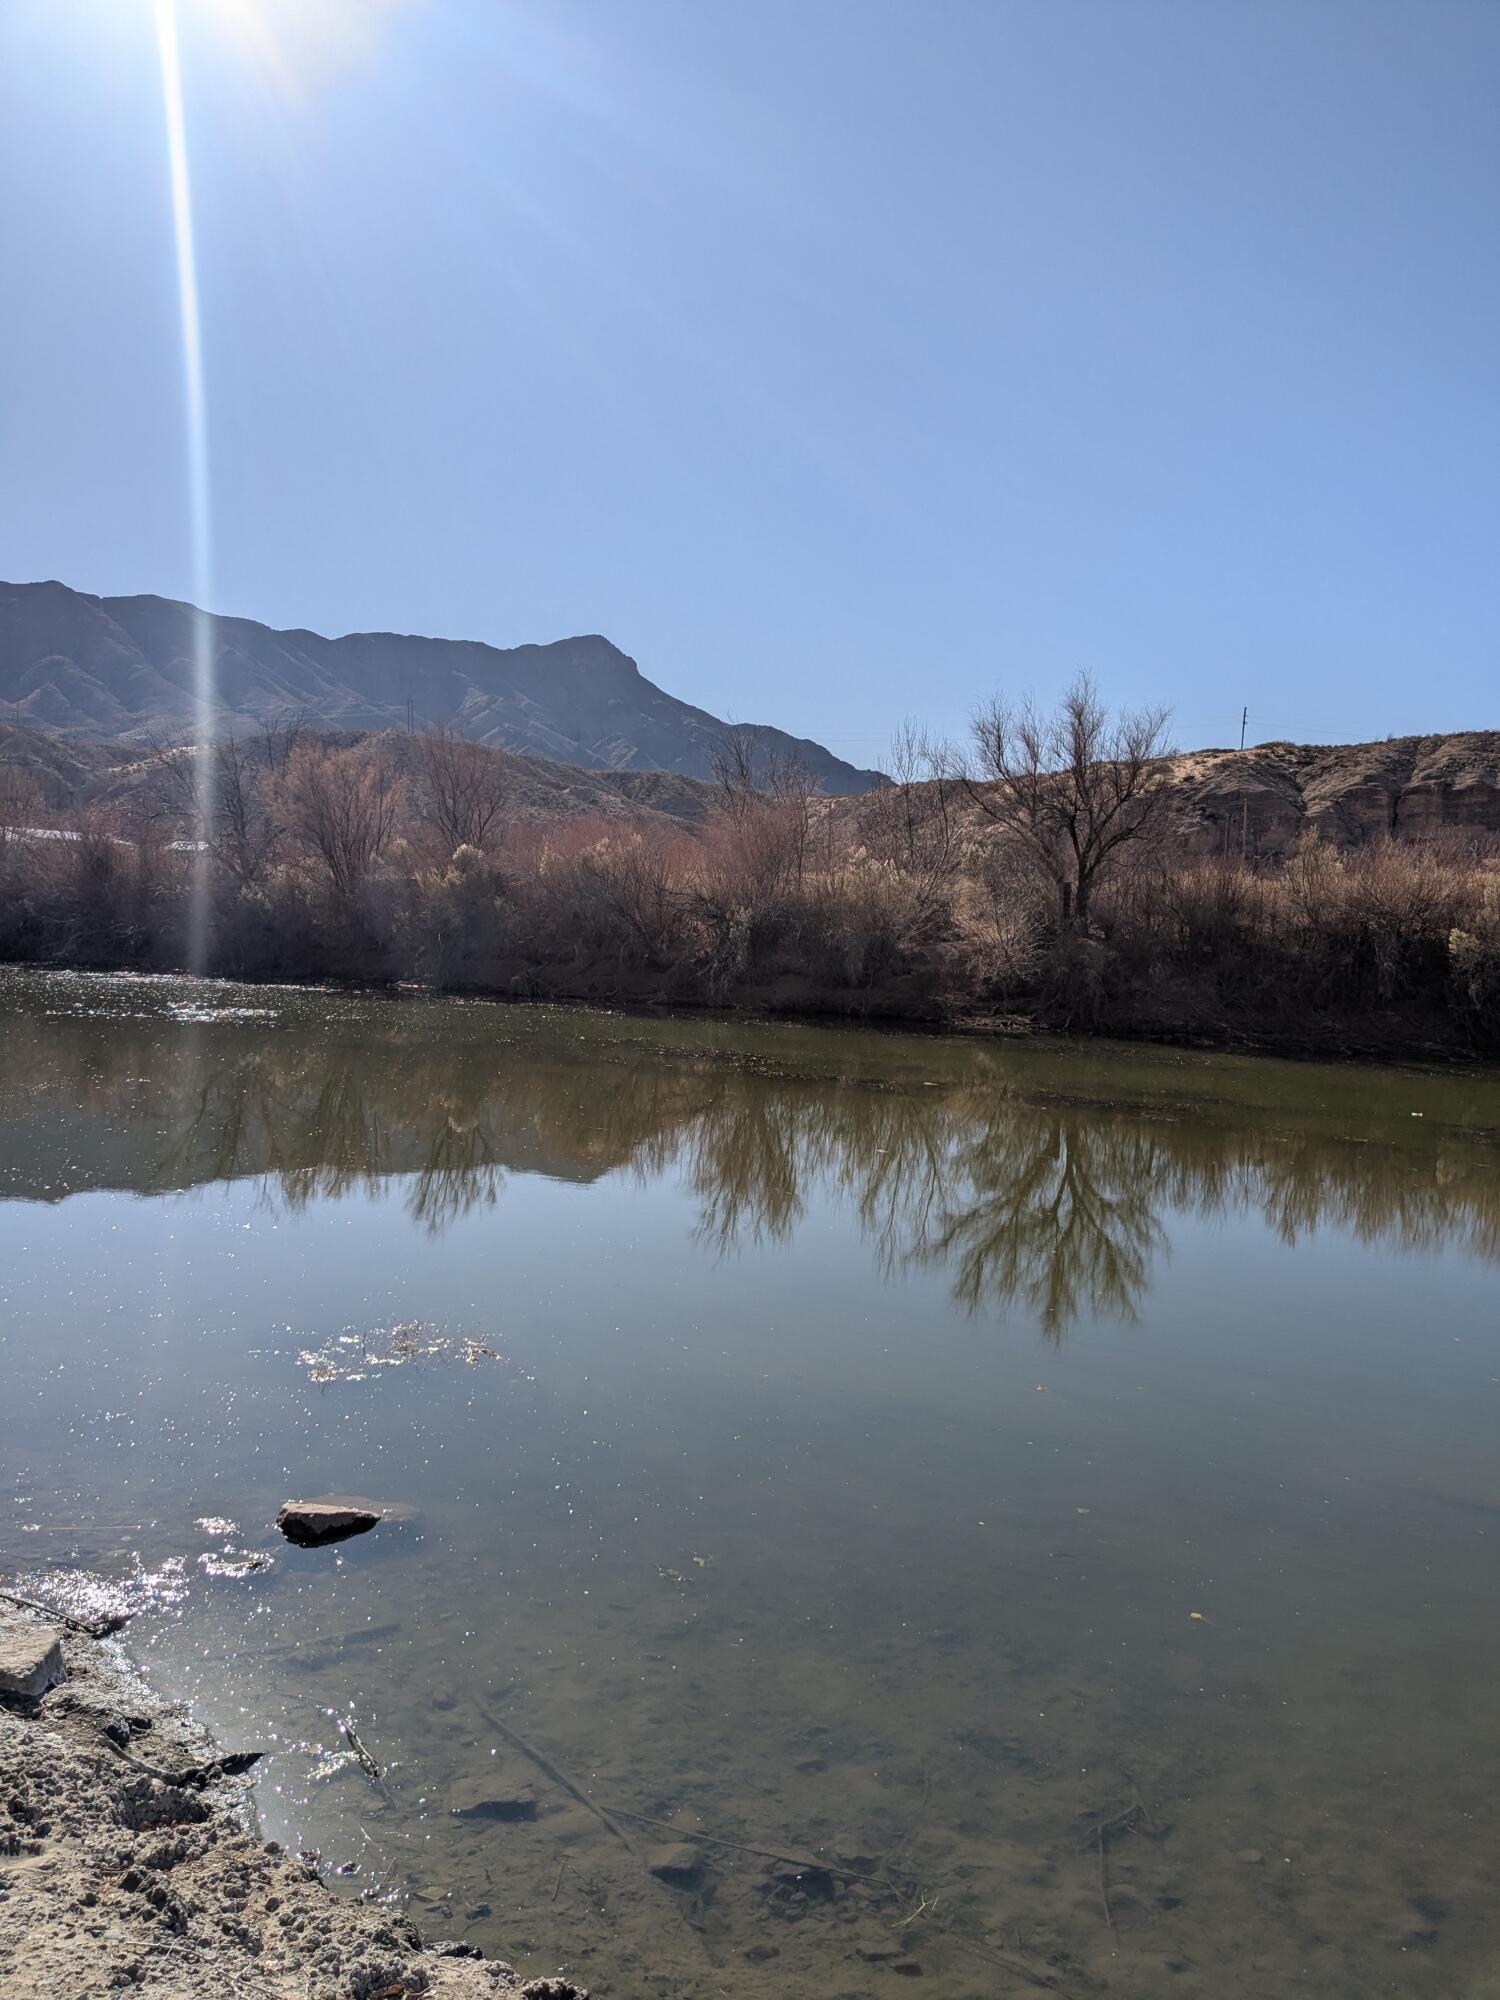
x: 1020, y: 1194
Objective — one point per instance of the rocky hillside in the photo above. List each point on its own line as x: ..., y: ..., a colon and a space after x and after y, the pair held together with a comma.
x: 43, y: 776
x: 120, y: 669
x: 1263, y: 801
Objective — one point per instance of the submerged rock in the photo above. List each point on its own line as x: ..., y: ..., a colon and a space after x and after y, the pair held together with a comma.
x: 492, y: 1798
x: 310, y: 1523
x: 792, y: 1885
x: 31, y: 1658
x: 853, y: 1852
x: 681, y: 1864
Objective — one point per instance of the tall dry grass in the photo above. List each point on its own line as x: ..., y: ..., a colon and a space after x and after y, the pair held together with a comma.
x: 328, y: 867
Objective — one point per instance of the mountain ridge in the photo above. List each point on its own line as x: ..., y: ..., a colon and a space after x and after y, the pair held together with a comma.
x: 120, y: 669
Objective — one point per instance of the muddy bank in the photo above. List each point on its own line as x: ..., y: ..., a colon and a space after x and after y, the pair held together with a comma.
x: 130, y: 1861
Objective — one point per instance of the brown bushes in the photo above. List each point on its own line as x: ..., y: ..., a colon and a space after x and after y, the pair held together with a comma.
x: 1474, y: 966
x: 1367, y: 930
x: 323, y: 865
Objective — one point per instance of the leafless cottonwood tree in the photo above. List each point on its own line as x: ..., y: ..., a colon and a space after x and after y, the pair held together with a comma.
x: 223, y: 793
x: 460, y: 787
x: 280, y: 735
x: 731, y: 762
x: 1074, y: 787
x: 340, y: 806
x: 919, y: 803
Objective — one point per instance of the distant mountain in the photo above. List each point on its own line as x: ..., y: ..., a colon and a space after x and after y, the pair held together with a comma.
x: 119, y: 669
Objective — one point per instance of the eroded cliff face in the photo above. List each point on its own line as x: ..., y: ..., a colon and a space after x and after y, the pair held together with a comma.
x: 1264, y: 800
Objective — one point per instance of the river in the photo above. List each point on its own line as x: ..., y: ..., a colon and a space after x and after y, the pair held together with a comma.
x: 1025, y: 1515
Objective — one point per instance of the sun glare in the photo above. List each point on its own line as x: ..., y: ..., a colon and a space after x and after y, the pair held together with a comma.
x: 196, y: 415
x: 298, y: 42
x: 292, y: 43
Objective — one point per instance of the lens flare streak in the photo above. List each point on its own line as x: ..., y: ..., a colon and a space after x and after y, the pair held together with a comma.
x: 198, y: 475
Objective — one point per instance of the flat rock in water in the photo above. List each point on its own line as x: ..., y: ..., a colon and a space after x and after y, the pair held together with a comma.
x: 681, y: 1864
x: 853, y: 1852
x: 492, y: 1798
x: 313, y: 1522
x: 31, y: 1658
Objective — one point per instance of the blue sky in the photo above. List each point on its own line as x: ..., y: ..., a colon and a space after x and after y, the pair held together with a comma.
x: 840, y: 360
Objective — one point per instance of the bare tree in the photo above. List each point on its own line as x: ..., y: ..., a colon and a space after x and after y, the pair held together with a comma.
x: 20, y: 798
x: 461, y: 787
x: 1074, y: 787
x: 731, y: 760
x: 280, y: 735
x: 244, y: 831
x: 221, y: 794
x: 913, y: 822
x: 793, y: 790
x: 340, y: 805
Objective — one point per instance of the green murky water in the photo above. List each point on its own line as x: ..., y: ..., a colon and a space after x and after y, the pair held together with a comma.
x: 1048, y: 1495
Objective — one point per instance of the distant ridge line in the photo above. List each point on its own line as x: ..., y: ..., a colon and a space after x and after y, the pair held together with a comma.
x: 119, y: 669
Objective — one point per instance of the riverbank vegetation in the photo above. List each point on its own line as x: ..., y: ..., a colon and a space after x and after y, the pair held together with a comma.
x: 1040, y: 879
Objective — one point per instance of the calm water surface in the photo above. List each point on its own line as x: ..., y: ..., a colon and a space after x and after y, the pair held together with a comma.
x: 1056, y: 1487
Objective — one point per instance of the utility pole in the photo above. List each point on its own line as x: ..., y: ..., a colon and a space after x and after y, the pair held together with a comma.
x: 1244, y: 718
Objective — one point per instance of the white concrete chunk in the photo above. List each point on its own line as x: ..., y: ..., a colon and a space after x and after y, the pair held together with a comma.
x: 30, y: 1658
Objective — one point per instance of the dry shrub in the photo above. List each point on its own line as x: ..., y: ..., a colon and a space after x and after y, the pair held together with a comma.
x: 880, y: 907
x: 862, y: 922
x: 755, y: 859
x: 639, y: 875
x: 585, y: 890
x: 447, y: 922
x: 1214, y: 909
x: 997, y: 941
x: 1474, y: 965
x: 111, y: 901
x: 22, y: 896
x: 1375, y: 923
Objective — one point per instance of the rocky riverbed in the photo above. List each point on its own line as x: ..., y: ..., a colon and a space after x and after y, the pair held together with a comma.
x: 130, y: 1860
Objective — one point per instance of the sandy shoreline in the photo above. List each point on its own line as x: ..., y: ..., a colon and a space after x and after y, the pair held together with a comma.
x: 130, y: 1863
